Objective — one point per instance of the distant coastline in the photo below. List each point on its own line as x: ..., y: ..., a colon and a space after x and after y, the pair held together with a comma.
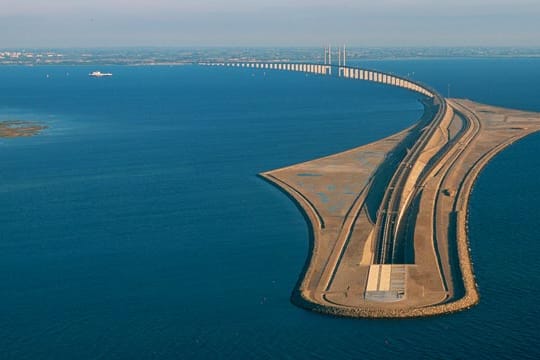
x: 143, y: 56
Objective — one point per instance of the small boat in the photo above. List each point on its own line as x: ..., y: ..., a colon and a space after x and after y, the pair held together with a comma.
x: 99, y: 74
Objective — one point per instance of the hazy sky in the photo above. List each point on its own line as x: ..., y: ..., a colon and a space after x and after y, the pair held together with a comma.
x: 81, y: 23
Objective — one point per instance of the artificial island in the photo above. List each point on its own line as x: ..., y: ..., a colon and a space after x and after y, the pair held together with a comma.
x: 389, y: 219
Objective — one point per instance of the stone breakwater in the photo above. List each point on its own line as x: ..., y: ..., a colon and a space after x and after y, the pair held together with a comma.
x: 468, y: 300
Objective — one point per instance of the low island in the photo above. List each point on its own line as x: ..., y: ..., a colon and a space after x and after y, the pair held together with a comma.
x: 19, y: 128
x: 388, y: 220
x: 389, y: 232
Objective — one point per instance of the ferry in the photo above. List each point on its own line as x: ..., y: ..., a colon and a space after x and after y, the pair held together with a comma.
x: 99, y: 74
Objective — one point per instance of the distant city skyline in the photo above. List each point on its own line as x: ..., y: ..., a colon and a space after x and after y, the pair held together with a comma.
x: 69, y: 23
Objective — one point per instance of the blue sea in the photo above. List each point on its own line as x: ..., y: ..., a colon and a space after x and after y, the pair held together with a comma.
x: 135, y: 227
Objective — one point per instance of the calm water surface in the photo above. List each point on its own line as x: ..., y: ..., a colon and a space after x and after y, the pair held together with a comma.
x: 135, y: 225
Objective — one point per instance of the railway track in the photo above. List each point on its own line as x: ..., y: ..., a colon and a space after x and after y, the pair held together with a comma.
x: 391, y: 212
